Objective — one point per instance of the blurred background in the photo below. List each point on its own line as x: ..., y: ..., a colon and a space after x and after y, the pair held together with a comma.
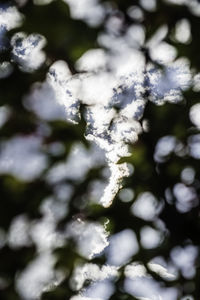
x: 99, y: 150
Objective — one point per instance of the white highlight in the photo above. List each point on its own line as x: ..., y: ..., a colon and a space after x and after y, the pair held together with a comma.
x: 26, y: 49
x: 10, y: 18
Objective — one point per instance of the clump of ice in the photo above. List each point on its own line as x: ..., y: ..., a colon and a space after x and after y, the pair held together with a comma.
x: 26, y: 49
x: 88, y: 10
x: 38, y: 274
x: 122, y: 247
x: 114, y: 104
x: 22, y: 157
x: 91, y: 237
x: 10, y: 17
x: 93, y: 273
